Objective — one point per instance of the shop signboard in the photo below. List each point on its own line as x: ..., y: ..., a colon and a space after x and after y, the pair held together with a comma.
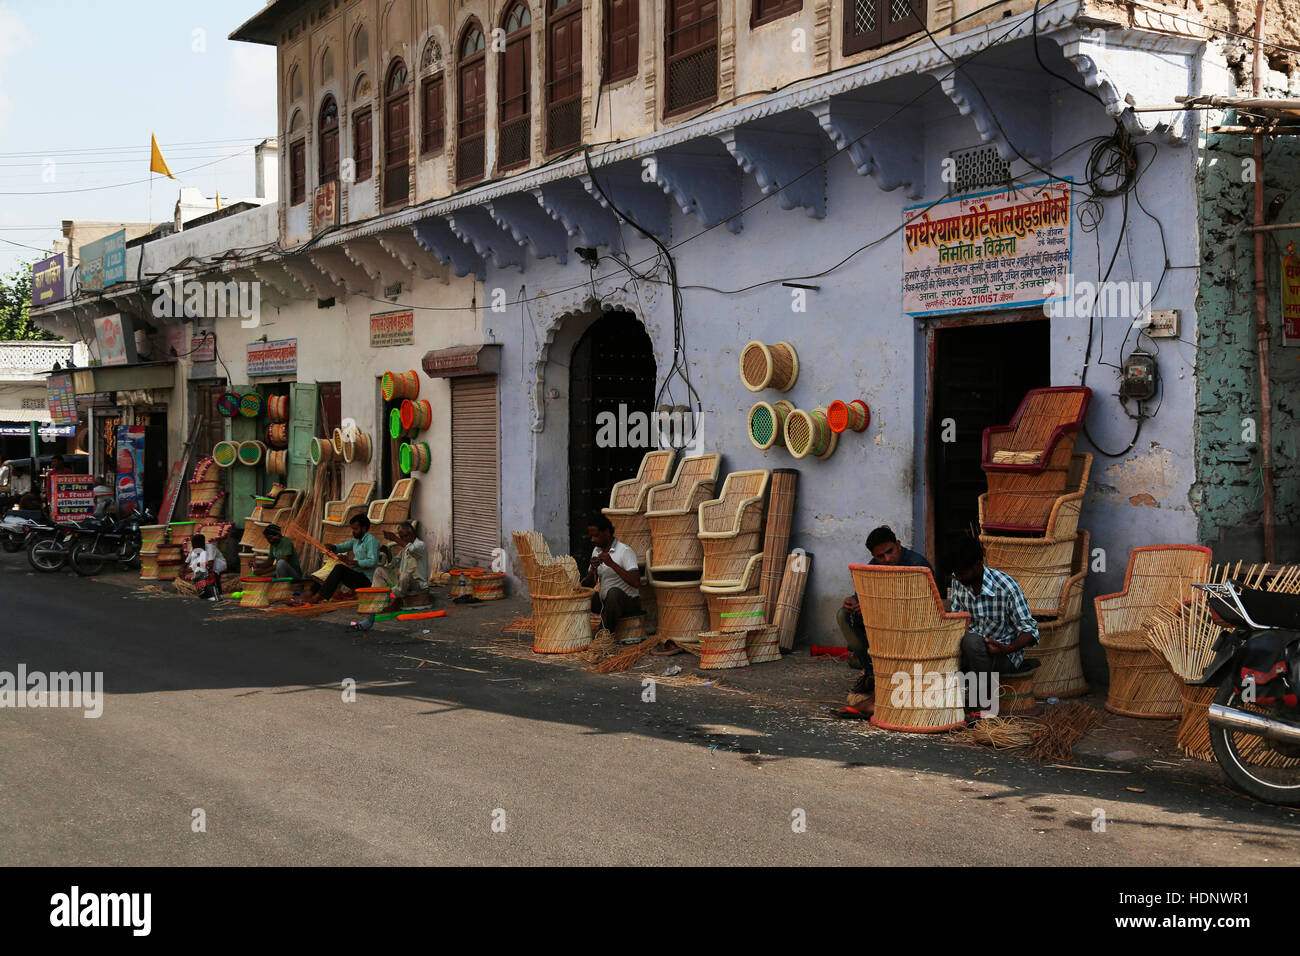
x: 1003, y: 249
x: 273, y: 358
x: 392, y: 328
x: 203, y: 347
x: 130, y: 469
x: 44, y: 432
x: 61, y: 398
x: 48, y: 281
x: 114, y: 251
x: 1291, y: 298
x: 72, y: 497
x: 325, y: 207
x: 112, y: 340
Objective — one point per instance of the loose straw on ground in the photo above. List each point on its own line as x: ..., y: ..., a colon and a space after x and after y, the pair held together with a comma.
x: 1061, y: 727
x: 628, y: 658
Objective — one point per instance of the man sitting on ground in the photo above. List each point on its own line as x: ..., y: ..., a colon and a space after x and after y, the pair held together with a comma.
x: 407, y: 571
x: 281, y: 559
x: 1001, y: 625
x: 358, y: 557
x: 614, y: 567
x: 885, y: 549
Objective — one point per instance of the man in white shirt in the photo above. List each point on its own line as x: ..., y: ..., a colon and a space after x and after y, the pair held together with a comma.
x: 614, y: 571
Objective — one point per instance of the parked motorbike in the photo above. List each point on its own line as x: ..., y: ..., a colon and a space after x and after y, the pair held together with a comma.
x: 98, y: 541
x: 48, y: 547
x: 1255, y: 717
x: 17, y: 526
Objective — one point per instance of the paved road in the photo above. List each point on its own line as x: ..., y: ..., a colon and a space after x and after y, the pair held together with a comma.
x: 245, y: 719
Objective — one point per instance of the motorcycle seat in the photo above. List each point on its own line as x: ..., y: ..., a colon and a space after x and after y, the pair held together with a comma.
x: 1270, y: 609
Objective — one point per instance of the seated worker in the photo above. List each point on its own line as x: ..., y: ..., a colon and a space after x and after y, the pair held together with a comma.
x: 885, y: 549
x: 614, y: 569
x: 407, y: 570
x: 281, y: 560
x: 359, y: 556
x: 202, y: 571
x: 1001, y: 625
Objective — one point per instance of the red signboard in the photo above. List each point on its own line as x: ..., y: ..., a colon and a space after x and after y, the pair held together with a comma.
x: 325, y: 209
x: 1291, y: 299
x: 72, y: 497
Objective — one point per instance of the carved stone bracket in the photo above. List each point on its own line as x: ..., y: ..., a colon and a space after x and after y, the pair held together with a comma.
x: 435, y: 236
x: 342, y: 270
x: 703, y: 184
x: 785, y: 162
x: 474, y: 225
x: 529, y: 224
x: 404, y: 247
x: 1010, y: 108
x: 376, y: 261
x: 882, y: 142
x: 643, y: 201
x: 569, y: 204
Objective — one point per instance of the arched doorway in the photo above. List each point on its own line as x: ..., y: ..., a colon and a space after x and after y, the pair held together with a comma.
x: 612, y: 371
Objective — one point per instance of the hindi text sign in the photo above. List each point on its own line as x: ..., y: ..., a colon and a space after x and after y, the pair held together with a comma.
x: 273, y: 358
x: 392, y: 328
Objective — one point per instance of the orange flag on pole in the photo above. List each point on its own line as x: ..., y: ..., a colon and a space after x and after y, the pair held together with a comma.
x: 156, y: 162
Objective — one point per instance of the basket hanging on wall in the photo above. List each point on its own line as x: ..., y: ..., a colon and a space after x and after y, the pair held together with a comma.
x: 769, y: 366
x: 277, y: 462
x: 277, y: 435
x: 358, y: 450
x: 417, y: 415
x: 251, y: 404
x: 807, y: 433
x: 848, y: 416
x: 396, y: 430
x: 225, y: 453
x: 826, y: 439
x: 767, y: 423
x: 414, y: 456
x: 251, y: 452
x: 277, y: 408
x: 321, y: 450
x: 337, y: 442
x: 228, y: 404
x: 398, y: 385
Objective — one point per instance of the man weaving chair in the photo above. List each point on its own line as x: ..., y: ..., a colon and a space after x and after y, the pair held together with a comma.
x: 407, y: 572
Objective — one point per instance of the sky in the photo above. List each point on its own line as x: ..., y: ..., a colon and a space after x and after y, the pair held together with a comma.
x: 84, y: 83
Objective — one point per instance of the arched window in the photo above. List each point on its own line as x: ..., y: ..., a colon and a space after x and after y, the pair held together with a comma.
x: 361, y: 47
x: 329, y: 141
x: 621, y: 52
x: 512, y: 99
x: 295, y: 84
x: 563, y: 74
x: 327, y: 66
x: 691, y: 40
x: 361, y: 89
x: 297, y: 160
x: 397, y: 135
x: 471, y: 103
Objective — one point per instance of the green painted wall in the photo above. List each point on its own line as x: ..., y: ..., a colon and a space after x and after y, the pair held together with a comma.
x: 1227, y: 493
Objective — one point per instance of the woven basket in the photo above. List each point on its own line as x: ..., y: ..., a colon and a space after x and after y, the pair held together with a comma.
x: 747, y: 586
x: 251, y: 404
x: 1049, y: 513
x: 277, y: 408
x: 763, y: 644
x: 399, y: 385
x: 683, y: 610
x: 763, y: 366
x: 1141, y: 683
x: 741, y: 613
x: 277, y: 435
x: 336, y: 442
x: 630, y: 628
x: 321, y: 451
x: 371, y: 600
x: 395, y: 430
x: 723, y: 650
x: 251, y: 452
x: 767, y: 424
x: 562, y: 622
x: 204, y: 493
x: 489, y: 586
x: 172, y: 552
x: 148, y: 564
x: 203, y: 471
x: 169, y: 570
x: 415, y: 416
x: 462, y: 581
x: 151, y: 536
x: 255, y: 591
x: 848, y: 416
x: 1194, y: 731
x: 228, y: 404
x: 277, y: 462
x: 225, y: 453
x: 214, y: 530
x: 1016, y: 696
x: 800, y: 433
x: 357, y: 450
x: 281, y: 589
x: 1041, y: 566
x: 415, y: 456
x: 825, y: 440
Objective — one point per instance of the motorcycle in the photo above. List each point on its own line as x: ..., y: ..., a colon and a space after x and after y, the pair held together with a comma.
x: 1255, y: 716
x: 101, y: 540
x: 48, y: 547
x: 17, y: 526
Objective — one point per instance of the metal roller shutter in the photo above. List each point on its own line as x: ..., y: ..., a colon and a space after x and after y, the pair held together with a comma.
x: 475, y: 470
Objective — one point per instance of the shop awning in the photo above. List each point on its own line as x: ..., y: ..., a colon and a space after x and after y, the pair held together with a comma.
x: 16, y: 415
x: 462, y: 360
x: 123, y: 378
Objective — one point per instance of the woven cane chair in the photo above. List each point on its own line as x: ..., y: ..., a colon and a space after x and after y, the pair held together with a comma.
x: 673, y: 511
x: 1046, y: 418
x: 627, y: 500
x: 532, y: 550
x: 280, y: 513
x: 1044, y: 511
x: 1061, y: 673
x: 334, y: 526
x: 731, y: 526
x: 1141, y: 684
x: 387, y: 513
x: 907, y: 627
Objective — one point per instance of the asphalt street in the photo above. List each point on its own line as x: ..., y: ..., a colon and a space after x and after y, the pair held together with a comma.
x: 477, y: 758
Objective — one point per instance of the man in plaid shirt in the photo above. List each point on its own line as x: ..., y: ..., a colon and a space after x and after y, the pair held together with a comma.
x: 1001, y: 626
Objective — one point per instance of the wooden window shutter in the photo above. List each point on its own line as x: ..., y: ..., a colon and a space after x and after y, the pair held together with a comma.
x: 298, y: 172
x: 433, y: 108
x: 363, y: 144
x: 621, y: 46
x: 303, y: 403
x: 475, y: 470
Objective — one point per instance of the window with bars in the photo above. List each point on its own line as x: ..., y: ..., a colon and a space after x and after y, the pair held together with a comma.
x: 621, y: 43
x: 691, y: 43
x: 765, y: 11
x: 329, y: 141
x: 433, y: 114
x: 873, y: 23
x: 363, y: 147
x: 563, y: 74
x: 471, y: 104
x: 298, y: 173
x: 512, y: 98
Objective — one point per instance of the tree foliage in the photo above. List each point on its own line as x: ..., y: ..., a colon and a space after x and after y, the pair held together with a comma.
x: 15, y: 308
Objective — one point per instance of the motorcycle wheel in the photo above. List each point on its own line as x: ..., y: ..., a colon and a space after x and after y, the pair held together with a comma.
x: 44, y: 553
x: 1248, y: 761
x: 129, y: 555
x: 85, y: 560
x: 11, y: 544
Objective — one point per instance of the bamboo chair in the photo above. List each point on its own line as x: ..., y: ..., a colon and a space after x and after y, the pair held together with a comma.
x: 1060, y: 673
x: 747, y: 586
x: 1038, y: 512
x: 387, y: 513
x: 334, y: 526
x: 1041, y: 566
x: 1033, y: 452
x: 906, y: 627
x: 673, y: 511
x: 731, y: 527
x: 1141, y: 684
x: 280, y: 513
x: 627, y: 500
x: 531, y: 547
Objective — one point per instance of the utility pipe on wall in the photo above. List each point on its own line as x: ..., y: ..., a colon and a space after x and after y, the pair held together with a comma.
x: 1261, y: 301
